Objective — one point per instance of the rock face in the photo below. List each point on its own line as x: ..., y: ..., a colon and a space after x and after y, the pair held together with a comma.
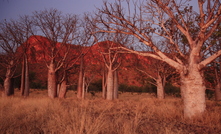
x: 93, y: 61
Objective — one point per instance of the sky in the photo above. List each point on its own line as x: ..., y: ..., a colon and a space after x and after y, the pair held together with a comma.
x: 12, y: 9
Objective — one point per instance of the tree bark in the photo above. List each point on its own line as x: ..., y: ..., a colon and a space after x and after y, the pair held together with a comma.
x: 7, y: 87
x: 115, y: 94
x: 63, y: 89
x: 80, y: 81
x: 104, y: 87
x: 160, y: 88
x: 193, y: 91
x: 52, y: 86
x: 22, y: 88
x: 8, y: 83
x: 26, y: 85
x: 25, y: 77
x: 110, y: 84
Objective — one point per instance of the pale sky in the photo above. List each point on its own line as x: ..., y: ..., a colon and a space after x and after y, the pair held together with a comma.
x: 11, y: 9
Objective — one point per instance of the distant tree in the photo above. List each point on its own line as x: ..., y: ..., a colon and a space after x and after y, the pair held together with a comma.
x: 111, y: 60
x: 158, y: 18
x: 85, y: 40
x: 56, y: 27
x: 158, y: 71
x: 23, y: 29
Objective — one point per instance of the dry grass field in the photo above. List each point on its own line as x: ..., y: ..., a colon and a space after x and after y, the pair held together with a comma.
x: 130, y: 114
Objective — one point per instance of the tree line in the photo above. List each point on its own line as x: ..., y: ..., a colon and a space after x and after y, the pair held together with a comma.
x: 170, y: 32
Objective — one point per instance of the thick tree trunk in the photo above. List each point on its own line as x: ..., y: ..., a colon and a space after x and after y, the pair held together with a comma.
x: 160, y: 88
x: 193, y: 91
x: 8, y: 83
x: 63, y: 89
x: 115, y: 95
x: 7, y: 87
x: 52, y: 85
x: 218, y: 91
x: 110, y: 84
x: 80, y: 81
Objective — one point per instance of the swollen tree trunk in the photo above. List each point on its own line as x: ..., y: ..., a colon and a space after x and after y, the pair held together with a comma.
x: 7, y: 87
x: 115, y: 94
x: 160, y: 88
x: 193, y: 91
x: 80, y: 81
x: 63, y: 89
x: 8, y: 83
x: 110, y: 84
x: 52, y: 86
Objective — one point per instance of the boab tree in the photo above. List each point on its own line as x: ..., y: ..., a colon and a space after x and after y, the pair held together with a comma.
x: 111, y: 61
x: 213, y: 72
x: 56, y: 27
x: 158, y: 71
x: 23, y: 29
x: 159, y: 18
x: 9, y: 57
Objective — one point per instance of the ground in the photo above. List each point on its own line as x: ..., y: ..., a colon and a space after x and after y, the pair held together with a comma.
x: 130, y: 114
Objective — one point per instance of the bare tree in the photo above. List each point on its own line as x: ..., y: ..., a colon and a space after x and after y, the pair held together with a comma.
x: 9, y: 58
x: 156, y: 70
x: 112, y: 62
x: 57, y: 28
x: 159, y: 19
x: 214, y: 69
x: 23, y: 29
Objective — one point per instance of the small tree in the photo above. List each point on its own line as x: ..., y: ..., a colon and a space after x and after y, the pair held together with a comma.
x: 158, y: 71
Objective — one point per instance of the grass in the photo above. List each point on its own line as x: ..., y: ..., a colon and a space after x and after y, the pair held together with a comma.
x: 130, y: 114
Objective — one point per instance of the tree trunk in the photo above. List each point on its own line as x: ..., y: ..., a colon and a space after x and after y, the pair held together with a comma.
x: 26, y: 85
x: 63, y: 89
x: 160, y: 88
x: 83, y: 88
x: 22, y: 88
x: 80, y: 81
x: 104, y: 89
x: 8, y: 83
x: 193, y: 91
x: 110, y: 84
x: 7, y: 87
x: 218, y: 91
x: 115, y: 96
x: 52, y: 86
